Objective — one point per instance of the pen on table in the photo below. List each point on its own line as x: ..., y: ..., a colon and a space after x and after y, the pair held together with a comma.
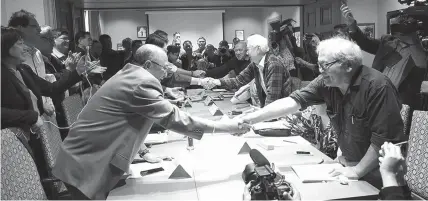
x: 290, y: 141
x: 401, y: 143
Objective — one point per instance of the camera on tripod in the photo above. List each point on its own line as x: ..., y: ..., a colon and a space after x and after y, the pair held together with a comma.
x: 265, y: 183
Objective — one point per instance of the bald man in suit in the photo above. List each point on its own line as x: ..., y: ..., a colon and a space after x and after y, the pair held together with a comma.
x: 109, y: 131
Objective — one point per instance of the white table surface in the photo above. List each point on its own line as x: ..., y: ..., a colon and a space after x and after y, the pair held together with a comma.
x: 216, y: 168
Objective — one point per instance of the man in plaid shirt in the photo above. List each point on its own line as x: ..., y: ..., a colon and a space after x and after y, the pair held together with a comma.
x: 270, y: 74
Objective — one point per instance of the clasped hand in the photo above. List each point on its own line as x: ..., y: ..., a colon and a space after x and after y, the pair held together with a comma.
x: 208, y: 83
x: 235, y: 127
x: 84, y: 66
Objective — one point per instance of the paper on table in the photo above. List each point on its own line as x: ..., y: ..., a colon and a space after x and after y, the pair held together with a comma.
x: 316, y: 172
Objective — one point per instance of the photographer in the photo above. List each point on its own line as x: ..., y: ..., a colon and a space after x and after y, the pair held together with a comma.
x: 400, y: 56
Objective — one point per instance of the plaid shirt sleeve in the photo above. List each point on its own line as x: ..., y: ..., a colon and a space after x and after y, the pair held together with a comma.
x: 242, y: 79
x: 275, y: 77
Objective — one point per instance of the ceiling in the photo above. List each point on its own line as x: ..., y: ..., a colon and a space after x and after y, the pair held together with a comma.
x: 187, y: 4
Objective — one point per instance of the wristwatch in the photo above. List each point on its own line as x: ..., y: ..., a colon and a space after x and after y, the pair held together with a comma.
x: 143, y: 152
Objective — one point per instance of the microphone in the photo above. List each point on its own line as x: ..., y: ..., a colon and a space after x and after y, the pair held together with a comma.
x: 258, y: 158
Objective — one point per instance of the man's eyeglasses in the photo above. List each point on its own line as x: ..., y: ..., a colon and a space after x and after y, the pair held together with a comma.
x: 326, y: 66
x: 164, y: 67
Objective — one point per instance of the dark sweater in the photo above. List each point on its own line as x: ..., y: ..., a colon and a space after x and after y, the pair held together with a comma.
x: 232, y: 64
x: 395, y: 193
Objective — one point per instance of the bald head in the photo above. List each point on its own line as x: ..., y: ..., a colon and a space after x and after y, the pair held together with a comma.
x: 149, y: 52
x: 153, y: 59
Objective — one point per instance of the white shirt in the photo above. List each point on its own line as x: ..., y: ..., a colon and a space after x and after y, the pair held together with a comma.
x: 34, y: 59
x: 261, y: 66
x: 57, y: 53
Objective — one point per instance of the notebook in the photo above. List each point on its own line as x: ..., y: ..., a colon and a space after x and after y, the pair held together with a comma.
x: 317, y: 172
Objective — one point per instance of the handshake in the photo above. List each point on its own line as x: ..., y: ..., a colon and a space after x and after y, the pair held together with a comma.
x: 209, y: 83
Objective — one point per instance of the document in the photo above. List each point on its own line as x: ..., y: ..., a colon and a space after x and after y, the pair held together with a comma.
x: 317, y: 172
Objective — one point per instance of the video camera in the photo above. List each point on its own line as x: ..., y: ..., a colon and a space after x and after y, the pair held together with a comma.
x: 418, y: 10
x: 265, y: 183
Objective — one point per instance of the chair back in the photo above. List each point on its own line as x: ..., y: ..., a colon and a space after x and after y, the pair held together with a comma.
x: 405, y: 115
x: 417, y: 154
x: 19, y: 177
x: 51, y: 143
x: 72, y: 105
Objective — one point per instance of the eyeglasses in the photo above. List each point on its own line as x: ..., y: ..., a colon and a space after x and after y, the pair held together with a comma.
x: 326, y: 66
x: 163, y: 66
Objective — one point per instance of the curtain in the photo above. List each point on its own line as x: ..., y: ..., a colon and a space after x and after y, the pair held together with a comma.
x: 94, y: 24
x: 50, y: 13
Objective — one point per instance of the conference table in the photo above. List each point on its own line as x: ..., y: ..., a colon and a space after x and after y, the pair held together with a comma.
x: 212, y: 170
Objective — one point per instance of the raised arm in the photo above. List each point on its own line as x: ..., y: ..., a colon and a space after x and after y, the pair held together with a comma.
x: 366, y: 43
x: 68, y: 79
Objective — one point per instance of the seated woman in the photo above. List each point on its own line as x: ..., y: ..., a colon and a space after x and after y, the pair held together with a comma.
x: 22, y: 89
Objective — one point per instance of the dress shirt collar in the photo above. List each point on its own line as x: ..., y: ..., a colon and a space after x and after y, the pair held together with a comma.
x: 57, y: 53
x: 262, y: 62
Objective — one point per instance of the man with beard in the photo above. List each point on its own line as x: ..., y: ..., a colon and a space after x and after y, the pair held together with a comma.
x: 238, y: 63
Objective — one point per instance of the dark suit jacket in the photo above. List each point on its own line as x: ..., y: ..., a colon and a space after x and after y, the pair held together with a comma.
x: 232, y: 64
x: 109, y: 131
x: 386, y: 55
x: 395, y: 193
x: 113, y: 60
x: 16, y: 106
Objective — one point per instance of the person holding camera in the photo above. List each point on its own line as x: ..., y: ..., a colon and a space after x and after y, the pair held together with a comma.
x: 400, y: 56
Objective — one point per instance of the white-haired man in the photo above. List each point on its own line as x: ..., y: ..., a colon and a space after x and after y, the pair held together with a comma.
x: 270, y: 74
x: 110, y: 129
x: 362, y: 103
